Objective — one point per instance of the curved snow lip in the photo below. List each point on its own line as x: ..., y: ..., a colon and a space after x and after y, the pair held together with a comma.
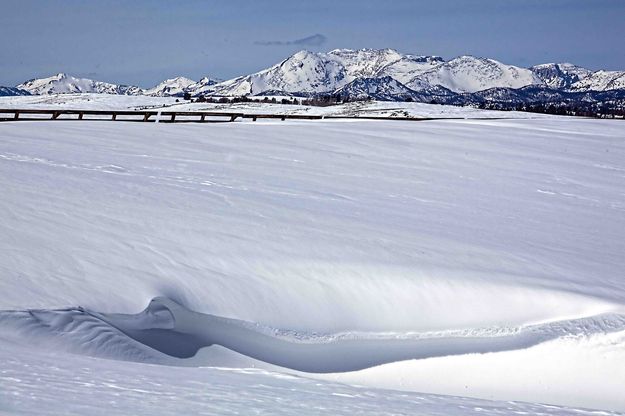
x: 168, y: 329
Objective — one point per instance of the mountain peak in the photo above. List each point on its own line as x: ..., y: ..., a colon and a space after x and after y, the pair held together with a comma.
x: 176, y: 86
x: 303, y: 55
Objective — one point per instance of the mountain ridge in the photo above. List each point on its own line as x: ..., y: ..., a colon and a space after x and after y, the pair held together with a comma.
x: 378, y: 74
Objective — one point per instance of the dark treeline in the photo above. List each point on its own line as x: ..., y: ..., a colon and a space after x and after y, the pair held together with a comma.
x: 581, y: 109
x: 317, y: 100
x: 597, y: 110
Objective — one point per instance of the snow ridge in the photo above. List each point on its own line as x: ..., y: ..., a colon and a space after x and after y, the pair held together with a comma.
x: 166, y: 327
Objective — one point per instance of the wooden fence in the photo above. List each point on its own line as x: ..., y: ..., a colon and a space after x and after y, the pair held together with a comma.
x: 167, y: 116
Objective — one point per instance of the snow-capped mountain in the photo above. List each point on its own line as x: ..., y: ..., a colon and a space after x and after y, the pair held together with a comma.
x: 561, y: 75
x: 12, y: 91
x: 389, y: 89
x: 66, y: 84
x: 203, y: 86
x: 307, y: 72
x: 601, y: 81
x: 363, y: 63
x: 381, y: 89
x: 410, y: 66
x: 375, y: 63
x: 170, y: 87
x: 177, y: 87
x: 304, y: 72
x: 383, y: 74
x: 471, y: 74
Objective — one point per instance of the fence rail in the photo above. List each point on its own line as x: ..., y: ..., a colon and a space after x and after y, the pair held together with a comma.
x: 167, y: 116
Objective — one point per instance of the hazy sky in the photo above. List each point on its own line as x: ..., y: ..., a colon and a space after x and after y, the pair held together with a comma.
x: 142, y: 42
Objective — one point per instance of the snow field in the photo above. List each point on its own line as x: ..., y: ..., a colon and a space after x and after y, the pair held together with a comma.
x: 348, y: 227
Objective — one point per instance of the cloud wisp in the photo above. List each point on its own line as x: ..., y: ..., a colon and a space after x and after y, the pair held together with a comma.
x: 313, y: 40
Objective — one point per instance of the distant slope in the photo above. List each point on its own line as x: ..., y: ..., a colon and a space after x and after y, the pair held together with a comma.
x: 389, y: 89
x: 601, y: 81
x: 381, y: 89
x: 304, y: 72
x: 12, y: 91
x: 63, y: 84
x: 471, y: 74
x: 560, y: 76
x: 172, y: 87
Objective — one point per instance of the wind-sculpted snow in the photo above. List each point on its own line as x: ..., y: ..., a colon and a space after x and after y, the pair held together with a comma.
x: 59, y: 384
x: 169, y: 328
x: 496, y: 241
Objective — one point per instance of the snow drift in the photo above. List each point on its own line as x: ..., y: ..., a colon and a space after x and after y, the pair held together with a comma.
x: 172, y: 329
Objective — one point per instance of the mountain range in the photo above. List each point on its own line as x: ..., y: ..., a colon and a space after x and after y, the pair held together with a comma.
x: 380, y: 74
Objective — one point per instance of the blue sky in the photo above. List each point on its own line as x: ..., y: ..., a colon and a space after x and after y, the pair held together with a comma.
x: 142, y: 42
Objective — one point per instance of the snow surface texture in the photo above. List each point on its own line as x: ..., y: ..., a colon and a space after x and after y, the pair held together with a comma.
x: 75, y: 385
x: 386, y: 232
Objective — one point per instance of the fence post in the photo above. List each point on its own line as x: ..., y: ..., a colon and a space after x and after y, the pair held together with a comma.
x: 173, y: 117
x: 80, y: 115
x: 114, y: 116
x: 17, y: 115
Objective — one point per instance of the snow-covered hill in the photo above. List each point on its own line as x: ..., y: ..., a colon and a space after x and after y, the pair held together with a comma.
x: 601, y: 81
x: 63, y: 84
x: 560, y: 76
x: 173, y: 87
x: 471, y: 74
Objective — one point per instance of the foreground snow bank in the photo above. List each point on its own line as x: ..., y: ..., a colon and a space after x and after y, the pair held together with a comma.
x: 166, y: 330
x: 53, y: 384
x: 352, y: 227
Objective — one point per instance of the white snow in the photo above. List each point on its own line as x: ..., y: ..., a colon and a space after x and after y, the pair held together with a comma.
x: 325, y: 230
x: 471, y: 74
x: 66, y: 84
x: 170, y: 87
x: 53, y: 384
x: 325, y: 72
x: 601, y: 81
